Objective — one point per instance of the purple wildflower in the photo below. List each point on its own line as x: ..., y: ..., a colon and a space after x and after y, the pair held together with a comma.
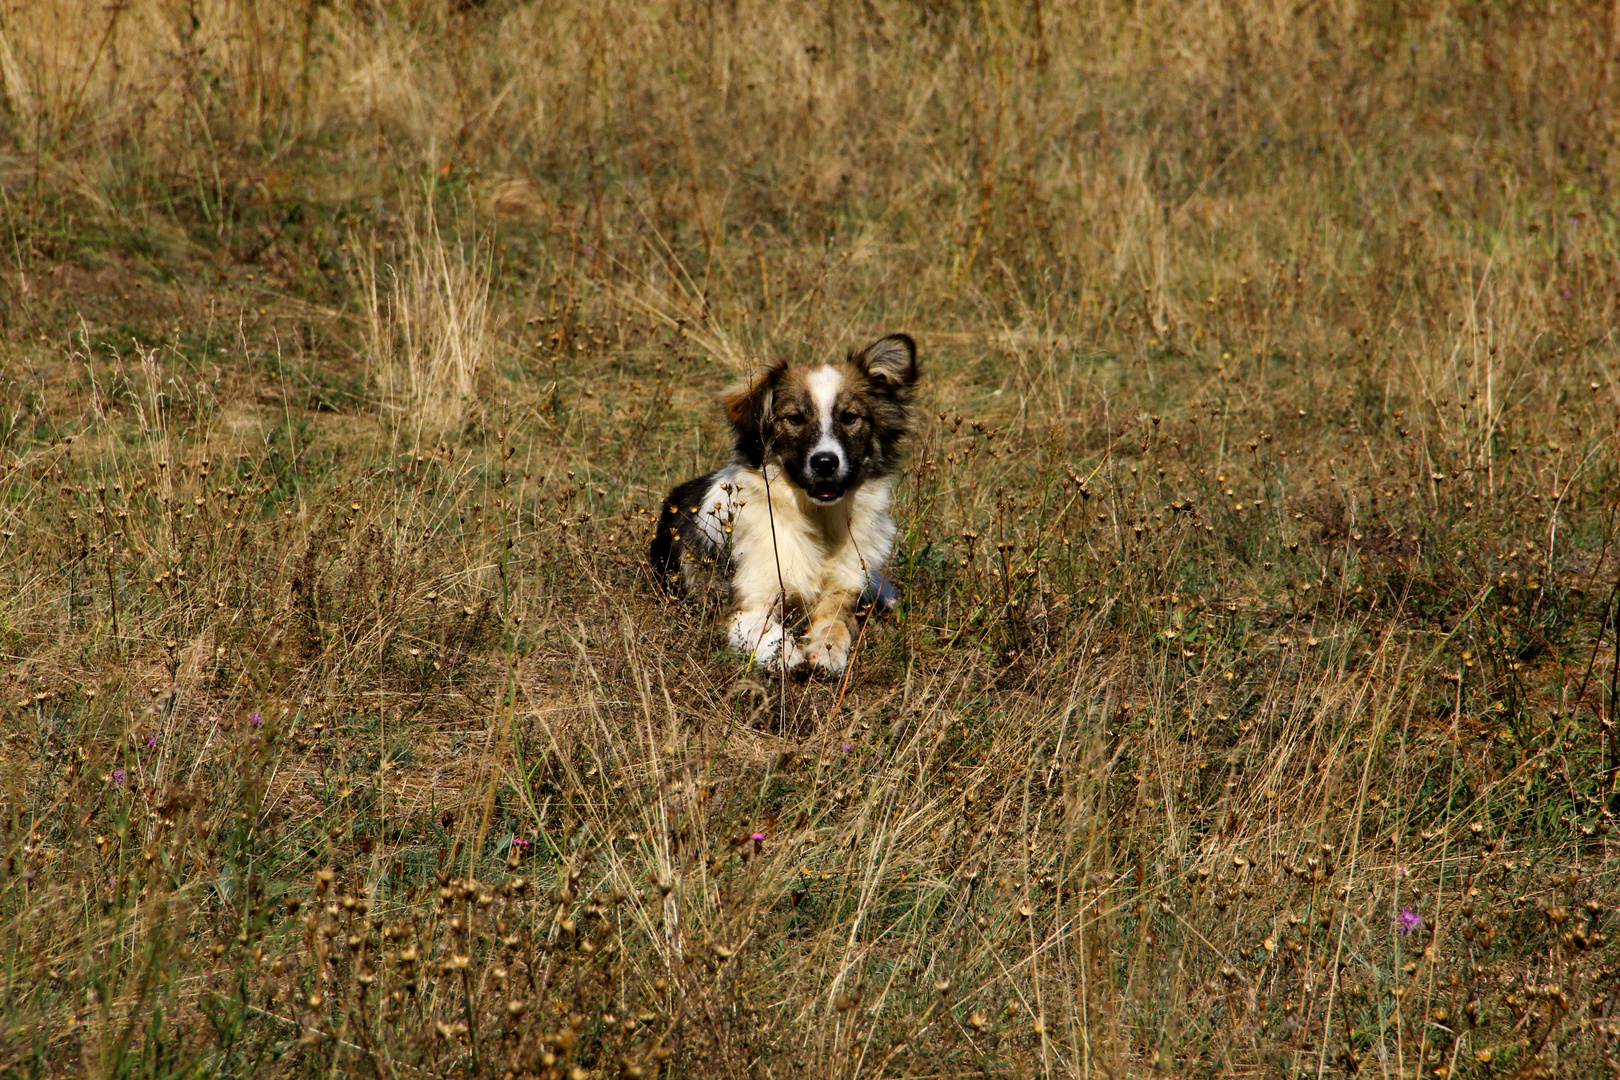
x: 849, y: 746
x: 518, y: 841
x: 151, y: 741
x: 118, y: 778
x: 256, y: 718
x: 1408, y: 921
x: 759, y: 836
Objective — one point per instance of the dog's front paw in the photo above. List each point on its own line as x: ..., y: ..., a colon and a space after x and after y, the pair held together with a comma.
x: 777, y: 651
x: 827, y: 658
x: 792, y: 658
x: 791, y: 665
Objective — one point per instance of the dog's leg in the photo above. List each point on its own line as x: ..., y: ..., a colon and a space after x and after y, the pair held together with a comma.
x: 827, y: 647
x: 757, y: 630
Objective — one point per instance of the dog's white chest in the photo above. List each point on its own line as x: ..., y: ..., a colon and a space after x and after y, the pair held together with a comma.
x: 781, y: 542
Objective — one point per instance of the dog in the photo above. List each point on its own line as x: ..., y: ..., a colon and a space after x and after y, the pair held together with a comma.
x: 800, y: 517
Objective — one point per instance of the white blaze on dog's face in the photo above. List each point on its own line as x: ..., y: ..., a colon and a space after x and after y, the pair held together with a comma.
x: 827, y: 464
x: 829, y: 427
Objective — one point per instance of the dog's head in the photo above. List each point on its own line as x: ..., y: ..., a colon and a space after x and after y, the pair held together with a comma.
x: 828, y: 427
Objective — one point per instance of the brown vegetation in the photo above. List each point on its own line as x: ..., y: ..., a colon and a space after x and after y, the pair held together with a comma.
x: 1251, y: 706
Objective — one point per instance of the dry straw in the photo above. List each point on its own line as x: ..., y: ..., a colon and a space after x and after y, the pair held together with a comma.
x: 428, y: 333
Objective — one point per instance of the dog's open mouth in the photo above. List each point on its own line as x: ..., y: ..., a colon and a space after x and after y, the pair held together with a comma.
x: 825, y: 492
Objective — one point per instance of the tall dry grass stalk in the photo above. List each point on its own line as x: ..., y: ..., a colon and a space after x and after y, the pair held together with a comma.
x: 428, y: 330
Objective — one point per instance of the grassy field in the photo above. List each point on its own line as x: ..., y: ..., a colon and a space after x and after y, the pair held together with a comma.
x: 1251, y: 706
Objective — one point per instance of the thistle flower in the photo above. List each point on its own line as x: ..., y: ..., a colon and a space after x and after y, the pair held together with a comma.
x: 1408, y: 921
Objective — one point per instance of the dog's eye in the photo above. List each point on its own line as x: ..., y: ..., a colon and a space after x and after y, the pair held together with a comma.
x: 794, y: 418
x: 851, y: 418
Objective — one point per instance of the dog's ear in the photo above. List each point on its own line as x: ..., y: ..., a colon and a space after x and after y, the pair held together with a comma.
x: 748, y: 407
x: 890, y: 362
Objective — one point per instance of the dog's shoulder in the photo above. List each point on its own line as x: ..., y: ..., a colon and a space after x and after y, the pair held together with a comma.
x: 693, y: 527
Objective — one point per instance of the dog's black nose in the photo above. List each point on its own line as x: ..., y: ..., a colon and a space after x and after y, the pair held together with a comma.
x: 824, y: 464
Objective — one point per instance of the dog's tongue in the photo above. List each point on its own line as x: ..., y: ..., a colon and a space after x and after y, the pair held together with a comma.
x: 824, y: 492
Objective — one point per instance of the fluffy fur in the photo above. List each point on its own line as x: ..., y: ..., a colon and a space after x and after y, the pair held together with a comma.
x: 802, y: 512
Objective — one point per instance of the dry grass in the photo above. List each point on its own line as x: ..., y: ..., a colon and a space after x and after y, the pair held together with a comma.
x: 1251, y: 708
x: 427, y: 331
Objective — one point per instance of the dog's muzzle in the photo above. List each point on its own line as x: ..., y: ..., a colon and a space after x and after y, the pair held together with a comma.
x: 822, y: 482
